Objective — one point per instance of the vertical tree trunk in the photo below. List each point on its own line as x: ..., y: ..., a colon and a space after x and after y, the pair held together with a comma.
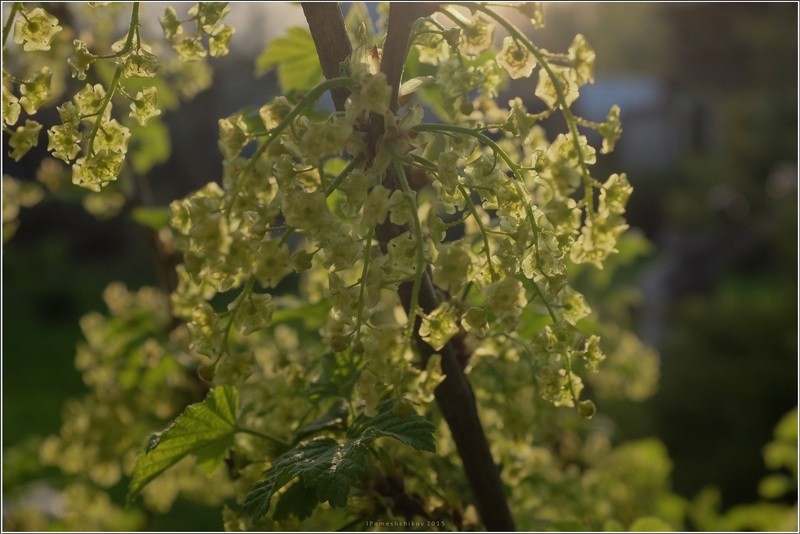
x: 454, y: 395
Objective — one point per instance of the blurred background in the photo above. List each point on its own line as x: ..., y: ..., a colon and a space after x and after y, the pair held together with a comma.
x: 708, y: 94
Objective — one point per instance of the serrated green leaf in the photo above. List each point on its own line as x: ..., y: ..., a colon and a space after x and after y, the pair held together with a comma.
x: 295, y: 58
x: 286, y: 467
x: 330, y: 469
x: 334, y: 419
x: 155, y: 218
x: 413, y: 430
x: 298, y: 501
x: 337, y: 379
x: 205, y: 429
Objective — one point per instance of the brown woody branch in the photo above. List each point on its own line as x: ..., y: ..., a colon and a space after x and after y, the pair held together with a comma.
x: 454, y: 395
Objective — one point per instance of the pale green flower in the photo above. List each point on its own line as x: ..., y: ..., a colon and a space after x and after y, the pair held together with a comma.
x: 516, y: 59
x: 144, y: 107
x: 477, y: 37
x: 81, y: 60
x: 36, y: 91
x: 567, y: 79
x: 171, y: 25
x: 439, y: 326
x: 11, y: 107
x: 219, y: 42
x: 24, y: 138
x: 97, y: 170
x: 35, y: 29
x: 64, y: 141
x: 582, y: 57
x: 610, y: 130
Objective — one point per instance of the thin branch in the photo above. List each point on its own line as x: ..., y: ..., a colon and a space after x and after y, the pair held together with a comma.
x: 330, y: 37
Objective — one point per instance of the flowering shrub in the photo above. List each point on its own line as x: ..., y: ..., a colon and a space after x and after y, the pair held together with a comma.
x: 433, y: 318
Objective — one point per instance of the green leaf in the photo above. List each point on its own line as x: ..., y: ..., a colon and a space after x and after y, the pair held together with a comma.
x: 334, y: 419
x: 295, y: 58
x: 312, y: 461
x: 155, y: 218
x: 150, y: 145
x: 205, y: 429
x: 413, y: 430
x: 289, y: 308
x: 337, y: 379
x: 298, y: 501
x: 330, y: 469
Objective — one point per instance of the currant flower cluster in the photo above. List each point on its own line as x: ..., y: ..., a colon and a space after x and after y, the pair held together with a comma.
x: 139, y: 379
x: 88, y: 137
x: 500, y: 215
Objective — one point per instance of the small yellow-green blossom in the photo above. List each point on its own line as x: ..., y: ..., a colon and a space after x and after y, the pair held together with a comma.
x: 598, y: 238
x: 253, y: 313
x: 447, y: 173
x: 519, y: 122
x: 432, y: 47
x: 274, y: 111
x: 516, y: 59
x: 376, y: 206
x: 546, y: 90
x: 208, y: 14
x: 190, y: 49
x: 581, y: 57
x: 24, y: 138
x: 477, y: 37
x: 506, y: 298
x: 69, y: 114
x: 11, y: 107
x: 219, y: 42
x: 475, y: 320
x: 373, y: 94
x: 170, y: 24
x: 35, y: 29
x: 439, y: 326
x: 113, y: 137
x: 610, y: 130
x: 355, y: 188
x: 534, y: 11
x: 592, y: 354
x: 429, y: 379
x: 451, y: 267
x: 64, y: 141
x: 81, y: 60
x: 89, y: 101
x: 232, y: 136
x: 306, y: 211
x: 139, y: 64
x: 563, y: 149
x: 614, y: 194
x: 97, y: 170
x: 325, y: 139
x: 399, y: 209
x: 144, y: 107
x: 35, y: 92
x: 574, y: 304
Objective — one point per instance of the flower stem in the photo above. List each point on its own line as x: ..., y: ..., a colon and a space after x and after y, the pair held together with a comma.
x: 420, y: 251
x: 307, y: 100
x: 7, y: 26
